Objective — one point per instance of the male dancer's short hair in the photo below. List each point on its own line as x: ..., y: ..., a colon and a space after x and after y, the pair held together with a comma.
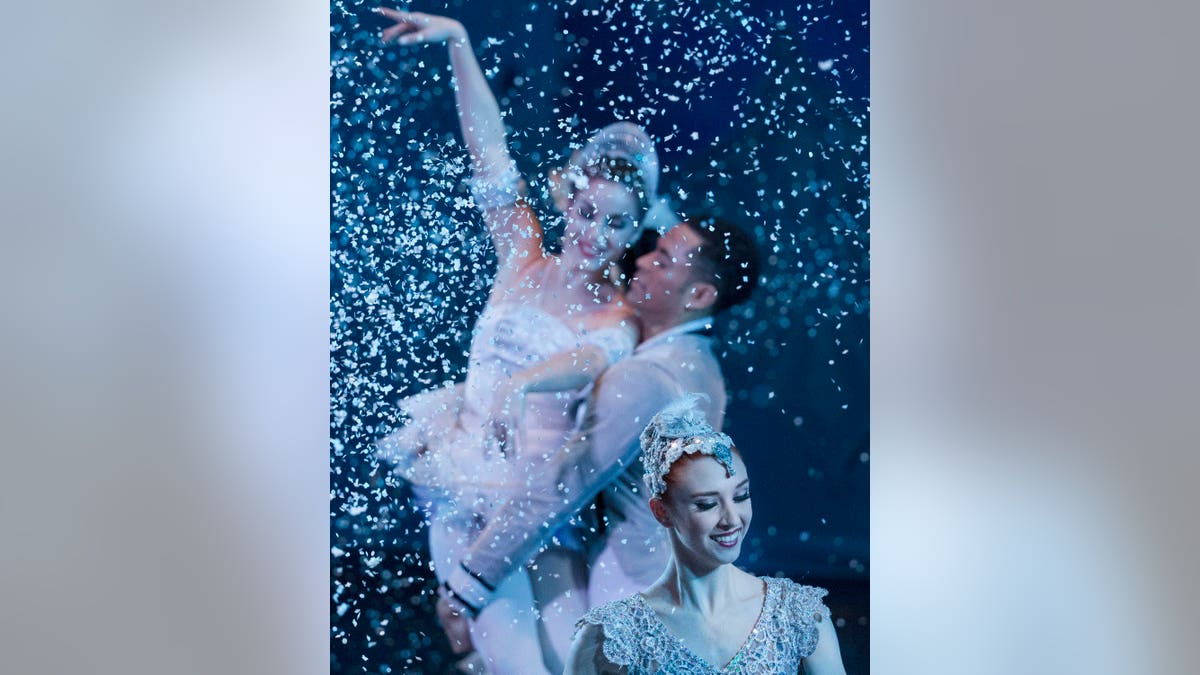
x: 728, y: 257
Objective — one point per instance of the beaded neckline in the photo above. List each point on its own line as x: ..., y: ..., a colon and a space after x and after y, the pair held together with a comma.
x: 634, y: 637
x: 769, y: 594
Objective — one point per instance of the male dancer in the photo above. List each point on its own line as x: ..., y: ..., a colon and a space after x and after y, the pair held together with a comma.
x: 700, y: 267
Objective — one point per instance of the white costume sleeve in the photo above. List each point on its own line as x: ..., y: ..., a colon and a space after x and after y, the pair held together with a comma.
x: 500, y: 187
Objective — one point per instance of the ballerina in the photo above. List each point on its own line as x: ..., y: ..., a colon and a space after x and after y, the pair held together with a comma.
x: 704, y: 615
x: 552, y: 323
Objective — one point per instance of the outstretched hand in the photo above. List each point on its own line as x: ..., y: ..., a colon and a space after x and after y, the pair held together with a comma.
x: 413, y: 28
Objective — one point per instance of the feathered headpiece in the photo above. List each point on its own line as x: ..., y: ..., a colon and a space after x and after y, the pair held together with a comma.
x: 677, y: 430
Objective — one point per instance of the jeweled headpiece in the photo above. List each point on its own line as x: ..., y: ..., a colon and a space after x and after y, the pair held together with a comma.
x: 677, y: 430
x: 627, y: 141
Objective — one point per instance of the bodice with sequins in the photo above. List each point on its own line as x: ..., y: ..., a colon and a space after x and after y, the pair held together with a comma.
x: 636, y: 640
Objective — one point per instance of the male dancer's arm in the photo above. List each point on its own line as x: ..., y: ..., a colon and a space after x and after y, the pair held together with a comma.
x: 625, y: 399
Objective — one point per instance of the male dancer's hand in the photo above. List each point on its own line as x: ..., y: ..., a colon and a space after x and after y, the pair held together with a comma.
x: 455, y: 624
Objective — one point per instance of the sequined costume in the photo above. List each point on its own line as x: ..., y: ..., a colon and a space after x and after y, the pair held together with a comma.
x: 447, y: 447
x: 603, y: 461
x: 636, y: 641
x: 460, y: 477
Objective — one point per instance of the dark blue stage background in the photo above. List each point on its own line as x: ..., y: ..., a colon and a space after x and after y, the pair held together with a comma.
x: 761, y: 113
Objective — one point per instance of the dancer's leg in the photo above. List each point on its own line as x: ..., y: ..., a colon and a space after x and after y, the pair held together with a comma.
x: 558, y: 577
x: 505, y: 633
x: 451, y: 532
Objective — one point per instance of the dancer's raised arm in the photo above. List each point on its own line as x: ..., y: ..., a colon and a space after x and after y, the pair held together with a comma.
x: 496, y: 185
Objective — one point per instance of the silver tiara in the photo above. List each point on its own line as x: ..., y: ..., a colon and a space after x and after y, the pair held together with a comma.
x: 677, y: 430
x: 624, y: 140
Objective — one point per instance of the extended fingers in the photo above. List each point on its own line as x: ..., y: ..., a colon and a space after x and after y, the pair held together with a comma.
x: 396, y: 14
x: 412, y: 37
x: 407, y: 28
x: 392, y: 32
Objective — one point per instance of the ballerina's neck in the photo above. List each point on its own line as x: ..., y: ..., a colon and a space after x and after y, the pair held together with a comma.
x: 706, y: 591
x: 560, y: 275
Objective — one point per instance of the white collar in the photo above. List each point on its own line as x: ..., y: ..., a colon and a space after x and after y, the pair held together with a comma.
x: 703, y: 323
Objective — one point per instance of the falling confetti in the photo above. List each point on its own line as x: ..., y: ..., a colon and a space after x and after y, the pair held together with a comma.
x: 761, y: 115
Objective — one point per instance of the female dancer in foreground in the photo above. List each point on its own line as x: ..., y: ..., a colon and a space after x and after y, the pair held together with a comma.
x: 551, y: 324
x: 704, y: 615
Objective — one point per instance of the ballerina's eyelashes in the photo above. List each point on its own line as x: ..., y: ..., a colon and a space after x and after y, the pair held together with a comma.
x: 619, y: 222
x: 614, y: 221
x: 706, y: 504
x: 586, y: 209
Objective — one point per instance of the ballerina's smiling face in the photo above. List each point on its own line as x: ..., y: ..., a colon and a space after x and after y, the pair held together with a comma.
x: 706, y: 508
x: 600, y: 224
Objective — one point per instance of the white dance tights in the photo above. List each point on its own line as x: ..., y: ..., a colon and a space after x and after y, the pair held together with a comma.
x: 506, y: 632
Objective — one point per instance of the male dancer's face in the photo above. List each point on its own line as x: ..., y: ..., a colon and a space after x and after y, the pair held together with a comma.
x: 661, y: 287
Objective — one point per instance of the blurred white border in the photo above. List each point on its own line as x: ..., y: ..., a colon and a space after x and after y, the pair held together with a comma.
x: 1034, y: 327
x: 164, y: 499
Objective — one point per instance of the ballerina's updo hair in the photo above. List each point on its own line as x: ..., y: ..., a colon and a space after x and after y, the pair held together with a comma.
x: 624, y: 154
x: 677, y: 430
